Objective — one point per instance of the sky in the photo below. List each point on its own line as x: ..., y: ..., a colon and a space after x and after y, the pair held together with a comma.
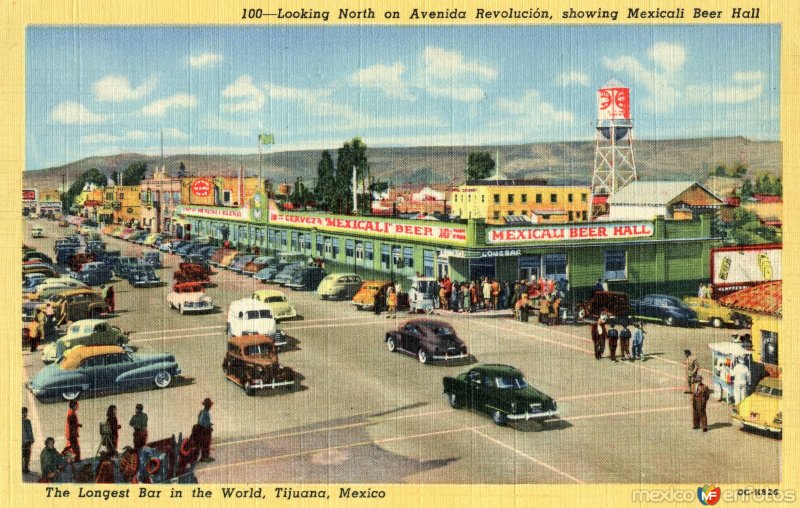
x: 212, y: 90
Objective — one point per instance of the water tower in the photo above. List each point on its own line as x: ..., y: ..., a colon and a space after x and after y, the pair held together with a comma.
x: 614, y: 166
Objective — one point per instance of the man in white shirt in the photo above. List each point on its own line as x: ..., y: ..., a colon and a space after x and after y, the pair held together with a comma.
x: 741, y: 380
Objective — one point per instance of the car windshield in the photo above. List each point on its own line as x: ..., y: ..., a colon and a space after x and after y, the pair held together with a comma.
x: 503, y: 382
x: 767, y: 390
x: 443, y: 331
x: 258, y: 350
x: 275, y: 299
x: 256, y: 314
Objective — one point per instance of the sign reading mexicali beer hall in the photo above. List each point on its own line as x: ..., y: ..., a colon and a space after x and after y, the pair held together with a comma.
x: 569, y: 232
x: 373, y: 227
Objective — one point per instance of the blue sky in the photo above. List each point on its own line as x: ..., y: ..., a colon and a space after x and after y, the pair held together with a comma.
x: 105, y: 90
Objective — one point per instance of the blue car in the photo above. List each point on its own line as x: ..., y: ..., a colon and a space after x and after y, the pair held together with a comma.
x: 183, y: 249
x: 103, y: 368
x: 240, y: 262
x: 667, y: 309
x: 93, y: 274
x: 152, y: 259
x: 123, y: 264
x: 143, y: 276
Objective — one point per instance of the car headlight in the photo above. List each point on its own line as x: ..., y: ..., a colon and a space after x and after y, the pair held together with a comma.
x: 778, y: 418
x: 514, y: 407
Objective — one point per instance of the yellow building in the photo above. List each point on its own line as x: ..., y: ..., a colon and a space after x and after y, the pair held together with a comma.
x: 494, y: 200
x: 125, y: 202
x: 764, y: 304
x: 218, y: 191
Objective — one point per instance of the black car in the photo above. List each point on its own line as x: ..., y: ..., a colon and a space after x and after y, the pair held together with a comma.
x: 143, y: 276
x: 306, y: 278
x: 664, y: 308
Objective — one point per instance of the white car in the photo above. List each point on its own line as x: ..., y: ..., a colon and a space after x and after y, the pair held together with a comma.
x: 85, y: 332
x: 251, y: 317
x: 55, y: 285
x: 189, y: 298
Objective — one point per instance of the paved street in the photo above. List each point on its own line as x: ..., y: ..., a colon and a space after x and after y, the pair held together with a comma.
x: 366, y: 415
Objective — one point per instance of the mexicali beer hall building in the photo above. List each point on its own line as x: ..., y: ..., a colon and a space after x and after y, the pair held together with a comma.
x: 670, y: 256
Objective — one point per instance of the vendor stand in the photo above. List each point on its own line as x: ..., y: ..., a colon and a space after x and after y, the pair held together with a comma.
x: 724, y: 356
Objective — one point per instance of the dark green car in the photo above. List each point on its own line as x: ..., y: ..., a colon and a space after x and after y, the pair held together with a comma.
x: 500, y: 391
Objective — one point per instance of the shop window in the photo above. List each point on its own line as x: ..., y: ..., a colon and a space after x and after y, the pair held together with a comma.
x: 283, y: 239
x: 510, y: 199
x: 483, y: 198
x: 408, y: 257
x: 570, y: 215
x: 396, y: 256
x: 496, y: 214
x: 538, y: 198
x: 360, y: 251
x: 524, y: 198
x: 427, y: 263
x: 555, y: 266
x: 319, y: 245
x: 176, y: 197
x: 368, y: 251
x: 349, y: 249
x: 307, y: 238
x: 616, y: 265
x: 554, y: 198
x: 226, y: 197
x: 497, y: 199
x: 584, y: 198
x: 385, y: 256
x: 295, y: 245
x: 583, y: 215
x: 569, y: 198
x: 335, y: 247
x: 328, y: 247
x: 769, y: 347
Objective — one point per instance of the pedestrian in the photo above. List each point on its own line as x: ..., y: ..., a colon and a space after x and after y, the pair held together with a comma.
x: 35, y: 331
x: 474, y: 296
x: 50, y: 460
x: 700, y: 396
x: 625, y: 341
x: 108, y: 296
x: 71, y: 430
x: 544, y: 309
x: 521, y: 308
x: 613, y: 336
x: 454, y: 297
x: 113, y: 428
x: 599, y: 331
x: 495, y: 294
x: 701, y: 291
x: 391, y: 303
x: 692, y: 368
x: 139, y: 424
x: 377, y: 306
x: 466, y: 298
x: 598, y: 286
x: 27, y: 441
x: 47, y: 323
x: 638, y: 341
x: 204, y: 428
x: 487, y: 293
x: 741, y: 380
x: 448, y: 290
x: 442, y: 296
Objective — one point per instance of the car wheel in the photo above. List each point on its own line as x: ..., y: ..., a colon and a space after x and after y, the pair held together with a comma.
x: 716, y: 322
x: 390, y: 344
x: 454, y: 400
x: 498, y: 418
x: 163, y: 379
x: 669, y: 321
x: 71, y: 395
x: 422, y: 356
x: 581, y: 313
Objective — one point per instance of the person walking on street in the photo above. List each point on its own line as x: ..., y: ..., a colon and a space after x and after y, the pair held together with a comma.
x: 625, y: 341
x: 555, y: 308
x: 495, y: 295
x: 35, y: 331
x: 474, y: 296
x: 204, y: 428
x: 613, y: 336
x: 113, y: 428
x: 27, y: 441
x: 700, y: 396
x: 741, y: 380
x: 139, y: 424
x: 50, y: 460
x: 380, y: 298
x: 638, y: 341
x: 692, y: 367
x: 108, y: 297
x: 391, y: 303
x: 71, y: 430
x: 487, y: 294
x: 454, y: 297
x: 599, y: 332
x: 465, y: 297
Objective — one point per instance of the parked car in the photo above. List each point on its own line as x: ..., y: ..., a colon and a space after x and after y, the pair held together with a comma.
x: 137, y: 236
x: 428, y: 340
x: 198, y: 259
x: 219, y: 255
x: 103, y: 368
x: 193, y: 249
x: 500, y: 391
x: 614, y: 304
x: 77, y: 260
x: 123, y: 264
x: 92, y: 274
x: 76, y: 304
x: 183, y: 248
x: 251, y: 317
x: 152, y: 259
x: 32, y: 267
x: 269, y: 272
x: 190, y: 272
x: 284, y: 276
x: 143, y: 276
x: 365, y: 297
x: 228, y: 259
x: 49, y: 287
x: 277, y: 303
x: 667, y: 309
x: 171, y: 245
x: 64, y: 252
x: 710, y: 311
x: 239, y: 263
x: 85, y: 332
x: 252, y: 362
x: 33, y: 255
x: 306, y: 278
x: 31, y: 280
x: 37, y: 232
x: 189, y: 298
x: 762, y: 408
x: 340, y: 286
x: 257, y: 264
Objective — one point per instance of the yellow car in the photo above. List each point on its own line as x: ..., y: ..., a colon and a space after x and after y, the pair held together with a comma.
x: 710, y: 311
x: 228, y: 259
x: 762, y: 409
x: 277, y: 303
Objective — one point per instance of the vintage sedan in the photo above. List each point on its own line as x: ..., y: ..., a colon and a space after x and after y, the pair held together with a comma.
x: 257, y: 264
x: 50, y: 287
x: 252, y: 363
x: 762, y: 409
x: 92, y: 274
x: 228, y: 259
x: 369, y: 292
x: 143, y: 276
x: 340, y: 286
x: 241, y: 261
x: 251, y: 317
x: 665, y: 308
x: 284, y: 276
x: 500, y: 391
x: 75, y: 304
x: 710, y: 311
x: 103, y: 368
x: 86, y: 332
x: 428, y: 340
x: 277, y: 303
x: 189, y: 298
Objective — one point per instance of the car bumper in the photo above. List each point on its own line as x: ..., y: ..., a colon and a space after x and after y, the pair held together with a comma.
x: 258, y: 384
x: 757, y: 425
x: 148, y: 284
x: 447, y: 357
x: 36, y: 392
x: 197, y: 310
x: 532, y: 416
x: 290, y: 315
x: 278, y: 338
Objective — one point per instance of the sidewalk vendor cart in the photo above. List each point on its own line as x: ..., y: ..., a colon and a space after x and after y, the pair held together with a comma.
x: 724, y: 356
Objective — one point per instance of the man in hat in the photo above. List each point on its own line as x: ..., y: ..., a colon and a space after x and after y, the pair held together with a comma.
x: 50, y: 460
x: 613, y: 336
x: 700, y: 396
x: 599, y: 335
x: 638, y: 341
x: 27, y: 441
x: 625, y: 340
x: 139, y: 424
x: 71, y: 430
x: 204, y: 428
x: 692, y: 367
x: 741, y: 379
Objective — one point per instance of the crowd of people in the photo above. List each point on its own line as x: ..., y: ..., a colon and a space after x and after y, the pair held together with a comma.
x: 621, y: 340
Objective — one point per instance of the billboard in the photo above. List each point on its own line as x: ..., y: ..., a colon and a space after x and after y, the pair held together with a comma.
x: 569, y: 232
x: 746, y: 265
x: 614, y: 103
x: 202, y: 187
x: 28, y: 195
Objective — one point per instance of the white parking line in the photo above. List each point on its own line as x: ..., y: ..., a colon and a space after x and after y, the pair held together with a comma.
x: 158, y: 339
x: 628, y: 413
x: 532, y: 459
x: 623, y: 392
x: 154, y: 332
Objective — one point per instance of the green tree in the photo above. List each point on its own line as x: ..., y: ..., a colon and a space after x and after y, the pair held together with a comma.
x: 92, y: 176
x: 299, y: 195
x: 134, y: 173
x: 115, y: 176
x: 747, y: 189
x: 323, y: 189
x: 480, y: 165
x: 351, y: 154
x: 746, y: 229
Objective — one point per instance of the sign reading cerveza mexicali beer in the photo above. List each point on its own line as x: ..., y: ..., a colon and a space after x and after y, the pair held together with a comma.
x: 568, y: 232
x: 374, y: 227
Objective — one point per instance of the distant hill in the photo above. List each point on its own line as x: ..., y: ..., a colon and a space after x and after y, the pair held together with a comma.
x: 678, y: 159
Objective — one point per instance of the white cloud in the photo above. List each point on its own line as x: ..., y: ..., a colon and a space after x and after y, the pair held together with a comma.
x: 173, y: 133
x: 305, y: 95
x: 243, y: 88
x: 572, y: 77
x: 531, y: 108
x: 458, y: 93
x: 118, y: 89
x: 386, y: 78
x: 138, y: 134
x: 738, y: 94
x: 443, y: 64
x: 670, y: 57
x: 100, y: 138
x: 160, y: 107
x: 204, y: 60
x: 663, y: 93
x: 169, y: 133
x: 68, y: 112
x: 748, y: 76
